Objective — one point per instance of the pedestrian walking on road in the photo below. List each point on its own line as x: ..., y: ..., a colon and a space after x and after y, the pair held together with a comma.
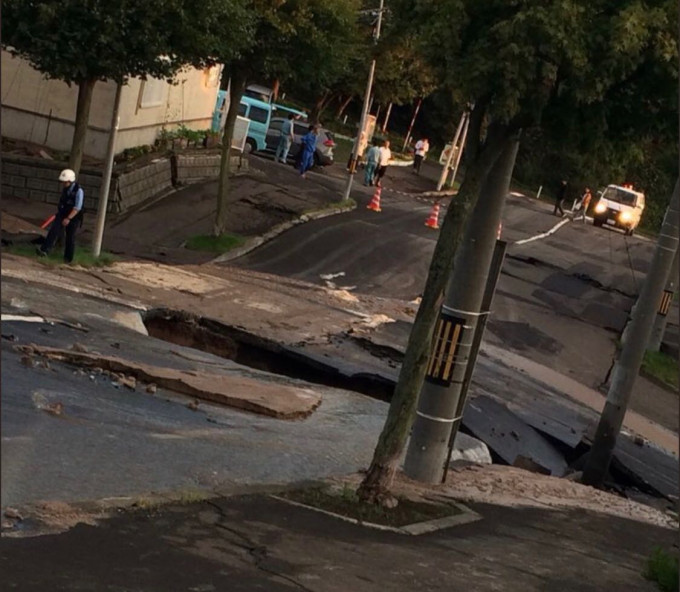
x: 285, y: 140
x: 585, y: 202
x: 69, y: 216
x: 307, y: 149
x: 383, y: 162
x: 422, y: 148
x: 372, y: 160
x: 559, y: 199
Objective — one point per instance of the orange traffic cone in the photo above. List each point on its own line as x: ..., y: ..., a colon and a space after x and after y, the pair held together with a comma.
x: 375, y: 202
x: 433, y: 220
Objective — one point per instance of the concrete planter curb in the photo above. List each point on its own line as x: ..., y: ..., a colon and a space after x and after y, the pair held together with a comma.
x: 258, y: 241
x: 465, y: 517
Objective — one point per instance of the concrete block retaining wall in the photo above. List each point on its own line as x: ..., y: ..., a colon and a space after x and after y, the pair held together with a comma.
x: 193, y: 168
x: 36, y: 179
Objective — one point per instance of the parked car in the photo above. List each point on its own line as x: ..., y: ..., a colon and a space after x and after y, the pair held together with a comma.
x: 323, y: 156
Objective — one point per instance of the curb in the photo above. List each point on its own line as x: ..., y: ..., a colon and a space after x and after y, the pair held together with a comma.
x: 258, y: 241
x: 658, y: 382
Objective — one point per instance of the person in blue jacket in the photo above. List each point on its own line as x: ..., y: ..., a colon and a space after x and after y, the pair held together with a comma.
x: 69, y: 216
x: 307, y: 149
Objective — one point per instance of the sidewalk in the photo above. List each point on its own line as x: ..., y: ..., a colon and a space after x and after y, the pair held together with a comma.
x: 254, y: 542
x: 263, y: 198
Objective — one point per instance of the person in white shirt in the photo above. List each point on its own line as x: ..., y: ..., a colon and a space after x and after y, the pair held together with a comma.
x: 422, y: 147
x: 383, y: 161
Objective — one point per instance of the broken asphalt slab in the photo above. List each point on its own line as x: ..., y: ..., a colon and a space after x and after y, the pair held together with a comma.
x: 110, y: 441
x: 255, y: 542
x: 274, y: 400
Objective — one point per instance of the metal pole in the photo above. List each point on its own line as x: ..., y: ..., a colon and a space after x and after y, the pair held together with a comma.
x: 106, y: 177
x: 628, y: 365
x: 447, y: 367
x: 364, y: 113
x: 661, y: 320
x: 487, y: 300
x: 460, y: 150
x: 447, y: 166
x: 410, y: 127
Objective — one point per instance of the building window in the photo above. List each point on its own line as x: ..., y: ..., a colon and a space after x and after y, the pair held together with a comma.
x: 153, y: 93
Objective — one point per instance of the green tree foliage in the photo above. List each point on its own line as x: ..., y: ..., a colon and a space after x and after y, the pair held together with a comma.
x: 517, y: 62
x: 84, y: 41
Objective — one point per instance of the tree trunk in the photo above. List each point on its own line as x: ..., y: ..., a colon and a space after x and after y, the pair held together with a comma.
x: 85, y: 91
x: 378, y: 480
x: 343, y: 105
x: 275, y: 89
x: 236, y: 90
x: 319, y: 107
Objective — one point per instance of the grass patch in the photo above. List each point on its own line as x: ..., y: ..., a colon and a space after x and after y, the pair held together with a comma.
x: 215, y: 244
x: 346, y: 503
x: 82, y: 257
x: 662, y: 568
x: 662, y: 367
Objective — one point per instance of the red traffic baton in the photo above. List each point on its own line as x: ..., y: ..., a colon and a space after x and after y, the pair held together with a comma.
x: 47, y: 222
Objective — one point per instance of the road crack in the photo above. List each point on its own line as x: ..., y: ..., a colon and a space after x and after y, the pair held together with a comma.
x: 258, y: 553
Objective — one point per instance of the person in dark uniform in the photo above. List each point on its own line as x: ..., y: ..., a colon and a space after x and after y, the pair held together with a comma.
x: 69, y: 217
x: 559, y: 199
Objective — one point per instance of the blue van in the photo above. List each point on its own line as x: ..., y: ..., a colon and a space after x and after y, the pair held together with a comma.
x: 259, y: 113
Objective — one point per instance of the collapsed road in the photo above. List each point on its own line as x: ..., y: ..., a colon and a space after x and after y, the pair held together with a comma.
x: 158, y: 444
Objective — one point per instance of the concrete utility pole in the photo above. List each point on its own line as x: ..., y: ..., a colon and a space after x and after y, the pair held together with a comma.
x: 628, y: 365
x: 661, y: 320
x: 364, y: 111
x: 106, y: 177
x: 454, y: 142
x: 442, y: 390
x: 460, y: 150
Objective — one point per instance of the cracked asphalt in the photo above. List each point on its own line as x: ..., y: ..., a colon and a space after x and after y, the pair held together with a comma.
x: 255, y: 542
x: 562, y: 301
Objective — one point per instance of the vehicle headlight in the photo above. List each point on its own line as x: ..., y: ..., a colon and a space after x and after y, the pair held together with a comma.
x: 625, y: 216
x: 600, y: 208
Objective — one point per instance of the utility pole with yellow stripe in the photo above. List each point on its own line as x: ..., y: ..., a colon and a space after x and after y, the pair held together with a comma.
x: 442, y: 396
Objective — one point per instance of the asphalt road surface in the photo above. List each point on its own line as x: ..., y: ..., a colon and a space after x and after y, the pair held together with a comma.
x: 562, y: 300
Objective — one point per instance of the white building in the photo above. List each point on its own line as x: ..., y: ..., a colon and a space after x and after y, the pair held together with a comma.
x: 43, y: 111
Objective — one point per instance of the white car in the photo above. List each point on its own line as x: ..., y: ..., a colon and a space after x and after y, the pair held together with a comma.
x: 620, y: 206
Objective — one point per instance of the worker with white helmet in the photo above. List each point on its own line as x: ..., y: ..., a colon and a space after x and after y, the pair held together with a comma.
x: 69, y: 216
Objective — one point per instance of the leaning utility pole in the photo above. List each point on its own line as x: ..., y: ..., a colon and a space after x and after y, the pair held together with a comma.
x: 661, y: 320
x: 364, y: 111
x: 452, y: 154
x: 627, y: 366
x: 407, y: 139
x: 106, y: 177
x: 442, y: 390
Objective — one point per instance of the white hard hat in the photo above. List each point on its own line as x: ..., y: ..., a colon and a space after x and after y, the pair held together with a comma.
x: 67, y: 176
